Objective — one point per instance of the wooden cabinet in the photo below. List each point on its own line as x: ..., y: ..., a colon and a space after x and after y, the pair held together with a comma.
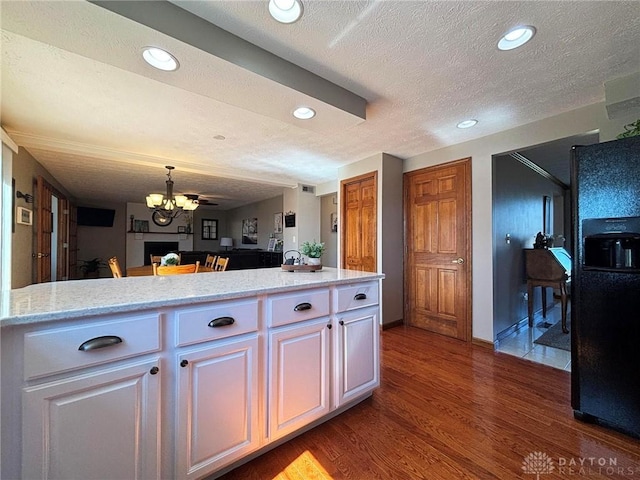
x: 205, y: 384
x: 357, y: 337
x: 217, y: 406
x: 217, y: 385
x: 90, y: 399
x: 356, y: 354
x: 98, y: 425
x: 299, y: 375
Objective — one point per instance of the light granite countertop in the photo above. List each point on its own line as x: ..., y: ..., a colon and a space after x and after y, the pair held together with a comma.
x: 84, y: 298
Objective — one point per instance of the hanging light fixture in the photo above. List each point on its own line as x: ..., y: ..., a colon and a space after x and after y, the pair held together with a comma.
x: 168, y: 206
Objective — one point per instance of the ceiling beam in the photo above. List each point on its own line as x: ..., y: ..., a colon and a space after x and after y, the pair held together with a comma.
x: 186, y: 27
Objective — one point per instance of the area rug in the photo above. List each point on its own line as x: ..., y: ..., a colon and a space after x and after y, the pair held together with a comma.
x: 555, y: 338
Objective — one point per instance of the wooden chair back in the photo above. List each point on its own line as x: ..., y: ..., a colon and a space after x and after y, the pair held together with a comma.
x: 210, y: 261
x: 156, y: 259
x: 221, y: 264
x: 175, y: 269
x: 115, y: 267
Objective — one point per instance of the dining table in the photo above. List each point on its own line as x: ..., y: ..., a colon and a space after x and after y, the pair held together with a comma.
x: 147, y: 270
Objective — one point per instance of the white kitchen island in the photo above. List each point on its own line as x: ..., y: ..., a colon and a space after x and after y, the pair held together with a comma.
x: 180, y: 376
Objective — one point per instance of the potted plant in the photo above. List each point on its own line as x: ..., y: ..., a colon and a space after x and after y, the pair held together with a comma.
x: 313, y: 250
x: 170, y: 259
x: 91, y: 268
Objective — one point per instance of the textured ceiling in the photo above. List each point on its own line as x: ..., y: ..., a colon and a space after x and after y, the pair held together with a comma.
x: 77, y: 95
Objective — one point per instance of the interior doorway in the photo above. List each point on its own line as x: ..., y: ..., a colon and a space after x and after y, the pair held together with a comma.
x: 528, y: 185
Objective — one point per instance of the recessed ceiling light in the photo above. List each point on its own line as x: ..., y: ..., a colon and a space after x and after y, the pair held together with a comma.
x: 516, y: 37
x: 160, y: 59
x: 304, y: 113
x: 285, y: 11
x: 467, y: 123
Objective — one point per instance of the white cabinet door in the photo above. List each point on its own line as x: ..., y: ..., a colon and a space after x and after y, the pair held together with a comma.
x: 217, y: 406
x: 101, y: 425
x: 299, y: 373
x: 357, y: 354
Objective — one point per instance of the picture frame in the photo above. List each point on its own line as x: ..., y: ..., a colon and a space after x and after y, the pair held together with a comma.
x: 272, y: 245
x: 250, y: 231
x: 334, y: 222
x: 277, y: 222
x: 24, y: 216
x: 209, y: 229
x: 141, y: 226
x: 290, y: 219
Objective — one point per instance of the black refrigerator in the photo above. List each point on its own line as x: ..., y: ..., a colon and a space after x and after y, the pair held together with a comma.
x: 605, y: 290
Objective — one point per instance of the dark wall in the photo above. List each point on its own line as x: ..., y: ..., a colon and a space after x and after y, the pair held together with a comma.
x: 518, y: 195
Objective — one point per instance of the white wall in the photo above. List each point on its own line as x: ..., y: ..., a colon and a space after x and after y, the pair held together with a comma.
x: 329, y: 206
x: 586, y: 119
x: 264, y: 211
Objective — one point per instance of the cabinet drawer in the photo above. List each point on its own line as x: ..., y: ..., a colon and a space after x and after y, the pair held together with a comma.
x: 296, y: 307
x: 356, y: 296
x: 59, y: 350
x: 195, y: 325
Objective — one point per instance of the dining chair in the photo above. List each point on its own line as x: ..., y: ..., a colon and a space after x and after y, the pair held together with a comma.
x: 210, y: 261
x: 115, y: 267
x: 175, y: 269
x: 221, y: 264
x: 156, y: 259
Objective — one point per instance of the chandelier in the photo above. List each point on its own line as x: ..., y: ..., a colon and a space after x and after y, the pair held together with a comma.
x: 168, y: 206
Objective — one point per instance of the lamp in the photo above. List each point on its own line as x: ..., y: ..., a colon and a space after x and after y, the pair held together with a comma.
x: 27, y: 197
x: 226, y: 242
x: 167, y: 207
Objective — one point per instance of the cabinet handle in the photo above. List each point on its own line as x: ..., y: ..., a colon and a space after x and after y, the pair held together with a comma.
x: 154, y: 370
x: 341, y: 322
x: 360, y: 296
x: 221, y: 322
x: 100, y: 342
x: 302, y: 306
x: 184, y: 363
x: 329, y: 326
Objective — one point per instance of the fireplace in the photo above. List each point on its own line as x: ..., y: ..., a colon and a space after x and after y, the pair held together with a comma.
x: 158, y: 248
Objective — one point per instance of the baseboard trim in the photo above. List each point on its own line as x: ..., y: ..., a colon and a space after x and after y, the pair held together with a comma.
x: 395, y: 323
x: 482, y: 343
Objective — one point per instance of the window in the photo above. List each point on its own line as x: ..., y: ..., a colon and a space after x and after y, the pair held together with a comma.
x: 209, y: 229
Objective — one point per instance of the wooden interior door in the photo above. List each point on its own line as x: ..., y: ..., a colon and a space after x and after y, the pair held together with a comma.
x: 360, y: 222
x: 44, y: 230
x: 438, y: 242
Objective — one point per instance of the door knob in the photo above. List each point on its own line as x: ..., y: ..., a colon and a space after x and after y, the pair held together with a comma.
x: 458, y: 260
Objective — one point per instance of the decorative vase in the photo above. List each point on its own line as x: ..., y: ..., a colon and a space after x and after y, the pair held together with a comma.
x: 314, y: 261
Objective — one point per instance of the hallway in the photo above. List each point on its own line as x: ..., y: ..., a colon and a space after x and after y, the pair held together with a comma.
x: 520, y: 343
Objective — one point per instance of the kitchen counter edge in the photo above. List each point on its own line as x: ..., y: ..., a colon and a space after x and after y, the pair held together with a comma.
x: 77, y: 299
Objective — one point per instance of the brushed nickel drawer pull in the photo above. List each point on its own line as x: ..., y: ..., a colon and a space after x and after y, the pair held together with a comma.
x: 100, y: 342
x: 302, y: 306
x: 221, y: 322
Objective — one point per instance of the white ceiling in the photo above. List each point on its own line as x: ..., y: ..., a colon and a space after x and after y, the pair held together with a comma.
x: 77, y: 95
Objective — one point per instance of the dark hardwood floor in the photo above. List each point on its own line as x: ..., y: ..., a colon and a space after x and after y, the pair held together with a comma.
x: 452, y: 410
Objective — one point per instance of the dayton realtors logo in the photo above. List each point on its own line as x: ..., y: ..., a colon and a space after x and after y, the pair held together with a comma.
x: 539, y: 463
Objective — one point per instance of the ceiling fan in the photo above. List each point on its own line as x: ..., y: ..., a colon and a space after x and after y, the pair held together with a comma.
x: 200, y: 199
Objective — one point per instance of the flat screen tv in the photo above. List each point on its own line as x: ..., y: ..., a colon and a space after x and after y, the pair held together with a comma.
x: 95, y: 217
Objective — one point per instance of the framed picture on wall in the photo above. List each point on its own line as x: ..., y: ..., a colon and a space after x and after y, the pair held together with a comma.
x: 250, y: 231
x: 209, y: 229
x: 334, y: 222
x: 24, y: 216
x: 277, y: 222
x: 272, y: 244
